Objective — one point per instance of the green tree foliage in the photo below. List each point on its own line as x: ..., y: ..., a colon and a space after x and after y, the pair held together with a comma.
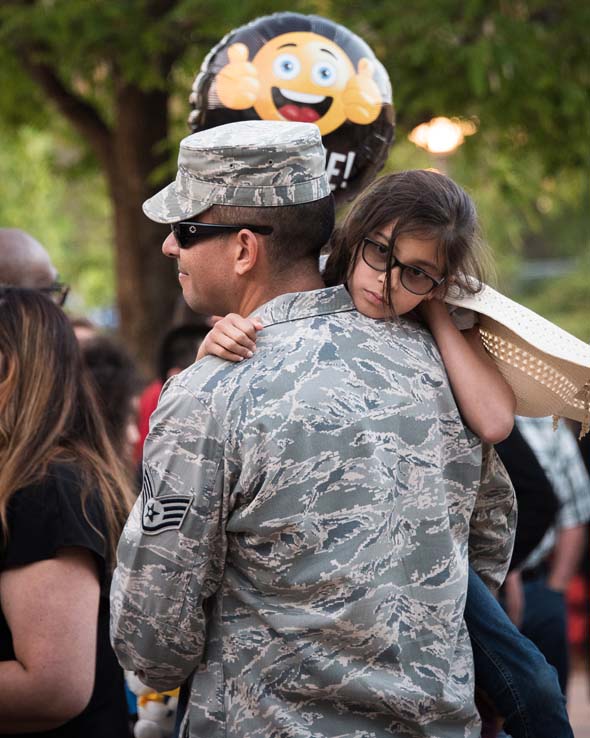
x: 521, y: 67
x: 565, y: 300
x: 109, y: 69
x: 42, y: 175
x: 109, y: 81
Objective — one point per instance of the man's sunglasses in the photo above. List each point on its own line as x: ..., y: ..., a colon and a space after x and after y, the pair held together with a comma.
x: 188, y: 233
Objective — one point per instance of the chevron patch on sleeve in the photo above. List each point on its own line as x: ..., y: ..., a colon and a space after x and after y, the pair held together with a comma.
x: 161, y: 513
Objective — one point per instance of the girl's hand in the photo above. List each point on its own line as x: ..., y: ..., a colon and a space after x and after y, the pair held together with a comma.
x: 232, y: 338
x: 432, y: 311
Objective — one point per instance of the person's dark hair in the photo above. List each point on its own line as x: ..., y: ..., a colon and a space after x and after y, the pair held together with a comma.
x: 48, y: 411
x: 299, y: 231
x: 423, y: 204
x: 179, y: 348
x: 115, y: 380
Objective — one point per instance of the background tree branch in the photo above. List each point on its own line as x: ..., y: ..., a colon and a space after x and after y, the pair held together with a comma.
x: 80, y: 113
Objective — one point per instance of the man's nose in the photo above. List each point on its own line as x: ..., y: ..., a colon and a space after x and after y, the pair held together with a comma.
x: 170, y: 247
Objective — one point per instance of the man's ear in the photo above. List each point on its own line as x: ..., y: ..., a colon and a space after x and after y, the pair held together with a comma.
x: 247, y: 252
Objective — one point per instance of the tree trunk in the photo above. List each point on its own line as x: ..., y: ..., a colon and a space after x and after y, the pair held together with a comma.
x: 129, y: 151
x: 147, y: 286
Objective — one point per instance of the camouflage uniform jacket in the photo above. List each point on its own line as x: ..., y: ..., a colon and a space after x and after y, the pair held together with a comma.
x: 299, y: 554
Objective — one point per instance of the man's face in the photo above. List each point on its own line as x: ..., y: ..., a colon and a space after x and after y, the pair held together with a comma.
x: 204, y: 270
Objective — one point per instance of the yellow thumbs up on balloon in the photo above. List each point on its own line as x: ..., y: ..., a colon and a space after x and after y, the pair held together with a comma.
x: 361, y: 97
x: 237, y: 83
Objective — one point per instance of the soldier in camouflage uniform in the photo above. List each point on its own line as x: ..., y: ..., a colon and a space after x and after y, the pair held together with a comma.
x: 298, y: 557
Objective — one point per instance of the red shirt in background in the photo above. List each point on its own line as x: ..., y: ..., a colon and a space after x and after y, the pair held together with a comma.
x: 147, y: 405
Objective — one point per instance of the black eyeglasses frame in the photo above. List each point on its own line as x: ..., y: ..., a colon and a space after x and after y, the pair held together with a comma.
x: 397, y: 263
x: 57, y: 292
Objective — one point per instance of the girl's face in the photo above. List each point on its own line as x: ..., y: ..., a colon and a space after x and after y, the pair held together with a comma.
x: 366, y: 285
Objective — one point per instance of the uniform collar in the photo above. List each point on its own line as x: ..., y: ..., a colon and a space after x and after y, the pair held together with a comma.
x: 298, y: 305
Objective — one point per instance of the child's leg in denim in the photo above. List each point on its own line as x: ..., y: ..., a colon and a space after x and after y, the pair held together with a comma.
x: 511, y: 670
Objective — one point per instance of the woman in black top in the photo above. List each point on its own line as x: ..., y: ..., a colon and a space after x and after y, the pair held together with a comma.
x: 64, y: 497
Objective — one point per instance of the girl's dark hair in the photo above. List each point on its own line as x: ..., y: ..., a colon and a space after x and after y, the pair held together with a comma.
x: 48, y: 411
x: 423, y: 204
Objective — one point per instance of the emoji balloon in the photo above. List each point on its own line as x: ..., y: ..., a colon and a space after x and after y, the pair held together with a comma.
x: 289, y: 66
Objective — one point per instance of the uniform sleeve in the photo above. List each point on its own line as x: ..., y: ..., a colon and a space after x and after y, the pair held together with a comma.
x: 171, y: 555
x: 493, y: 521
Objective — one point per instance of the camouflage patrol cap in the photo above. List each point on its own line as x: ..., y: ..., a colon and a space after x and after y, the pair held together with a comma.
x: 258, y: 163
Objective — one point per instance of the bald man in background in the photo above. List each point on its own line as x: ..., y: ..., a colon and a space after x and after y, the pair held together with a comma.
x: 25, y: 263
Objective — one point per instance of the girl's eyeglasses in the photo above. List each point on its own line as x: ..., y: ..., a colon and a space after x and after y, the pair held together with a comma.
x: 414, y: 279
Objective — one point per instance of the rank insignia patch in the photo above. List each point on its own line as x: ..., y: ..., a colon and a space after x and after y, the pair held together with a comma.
x: 161, y: 513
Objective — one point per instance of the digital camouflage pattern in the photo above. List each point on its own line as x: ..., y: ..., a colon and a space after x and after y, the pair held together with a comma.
x: 314, y: 584
x: 256, y: 163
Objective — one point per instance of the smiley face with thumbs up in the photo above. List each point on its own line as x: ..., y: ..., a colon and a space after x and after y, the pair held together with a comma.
x: 302, y: 77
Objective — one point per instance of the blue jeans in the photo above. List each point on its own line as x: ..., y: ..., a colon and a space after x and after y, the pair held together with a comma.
x: 512, y: 671
x: 544, y: 622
